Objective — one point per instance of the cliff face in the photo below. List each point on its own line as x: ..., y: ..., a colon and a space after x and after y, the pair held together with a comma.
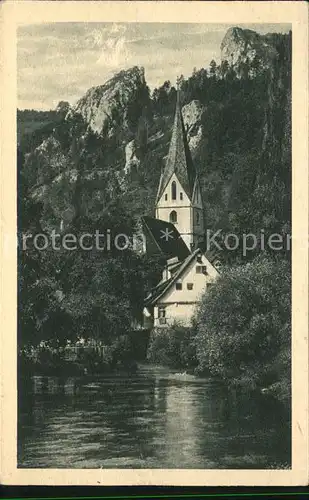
x: 192, y: 117
x: 132, y: 158
x: 242, y: 46
x: 94, y: 146
x: 102, y: 106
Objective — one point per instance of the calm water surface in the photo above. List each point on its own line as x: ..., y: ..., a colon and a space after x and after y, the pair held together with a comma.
x: 155, y: 418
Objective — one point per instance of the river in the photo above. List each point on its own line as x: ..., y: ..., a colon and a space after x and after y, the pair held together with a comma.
x: 155, y: 418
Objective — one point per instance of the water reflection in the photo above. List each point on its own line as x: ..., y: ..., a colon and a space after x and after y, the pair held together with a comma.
x: 152, y: 419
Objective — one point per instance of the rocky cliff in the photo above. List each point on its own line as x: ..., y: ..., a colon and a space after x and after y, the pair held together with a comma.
x: 242, y: 47
x: 193, y: 117
x: 104, y: 106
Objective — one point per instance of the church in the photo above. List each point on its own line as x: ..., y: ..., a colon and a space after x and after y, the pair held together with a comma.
x: 178, y: 232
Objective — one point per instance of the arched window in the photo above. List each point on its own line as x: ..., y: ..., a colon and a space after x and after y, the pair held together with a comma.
x: 174, y: 190
x: 173, y: 216
x: 197, y: 218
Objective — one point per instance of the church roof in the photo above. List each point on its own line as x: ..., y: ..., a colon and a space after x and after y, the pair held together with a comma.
x: 163, y: 237
x: 179, y: 160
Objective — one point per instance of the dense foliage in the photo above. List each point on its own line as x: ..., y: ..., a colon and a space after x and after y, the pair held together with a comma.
x: 30, y: 120
x: 65, y: 295
x: 244, y: 326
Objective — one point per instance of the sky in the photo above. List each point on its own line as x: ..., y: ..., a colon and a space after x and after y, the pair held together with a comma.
x: 61, y: 61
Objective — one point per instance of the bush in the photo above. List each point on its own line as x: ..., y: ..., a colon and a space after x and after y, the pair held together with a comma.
x: 244, y: 326
x: 173, y: 346
x: 122, y: 352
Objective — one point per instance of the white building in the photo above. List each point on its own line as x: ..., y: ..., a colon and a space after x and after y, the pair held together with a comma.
x: 177, y: 295
x: 189, y: 271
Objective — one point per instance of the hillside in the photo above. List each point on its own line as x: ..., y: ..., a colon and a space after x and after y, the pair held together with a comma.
x: 28, y: 121
x: 97, y: 165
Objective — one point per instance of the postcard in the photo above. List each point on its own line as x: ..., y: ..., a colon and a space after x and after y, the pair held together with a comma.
x: 154, y: 255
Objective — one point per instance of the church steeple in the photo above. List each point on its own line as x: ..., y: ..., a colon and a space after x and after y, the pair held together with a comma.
x: 179, y: 198
x: 179, y: 160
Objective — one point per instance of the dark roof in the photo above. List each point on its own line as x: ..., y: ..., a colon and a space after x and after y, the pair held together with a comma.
x: 179, y: 158
x: 155, y: 292
x: 156, y: 242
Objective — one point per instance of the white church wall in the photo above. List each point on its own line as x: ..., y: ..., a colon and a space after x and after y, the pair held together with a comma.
x: 181, y: 205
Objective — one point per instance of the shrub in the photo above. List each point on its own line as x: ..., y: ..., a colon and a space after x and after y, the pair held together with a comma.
x: 122, y: 352
x: 172, y: 346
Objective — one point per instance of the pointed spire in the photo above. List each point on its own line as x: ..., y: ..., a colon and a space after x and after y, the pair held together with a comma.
x: 179, y: 160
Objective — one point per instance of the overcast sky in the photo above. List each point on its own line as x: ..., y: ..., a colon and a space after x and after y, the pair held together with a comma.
x: 60, y: 61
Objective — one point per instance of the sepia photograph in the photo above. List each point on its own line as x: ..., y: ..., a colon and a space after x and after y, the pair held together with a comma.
x: 154, y: 245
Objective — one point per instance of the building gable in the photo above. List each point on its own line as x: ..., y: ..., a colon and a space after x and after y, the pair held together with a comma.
x: 191, y: 283
x: 174, y: 194
x: 187, y: 274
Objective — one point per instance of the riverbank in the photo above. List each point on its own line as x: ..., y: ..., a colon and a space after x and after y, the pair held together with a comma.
x: 179, y: 348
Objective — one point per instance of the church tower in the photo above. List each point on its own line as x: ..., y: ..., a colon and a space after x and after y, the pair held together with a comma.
x: 179, y: 195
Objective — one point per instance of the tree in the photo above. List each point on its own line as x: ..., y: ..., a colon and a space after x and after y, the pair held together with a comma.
x: 244, y: 325
x: 244, y: 68
x: 138, y: 105
x: 164, y: 99
x: 104, y: 294
x: 223, y: 69
x: 213, y: 68
x: 62, y: 107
